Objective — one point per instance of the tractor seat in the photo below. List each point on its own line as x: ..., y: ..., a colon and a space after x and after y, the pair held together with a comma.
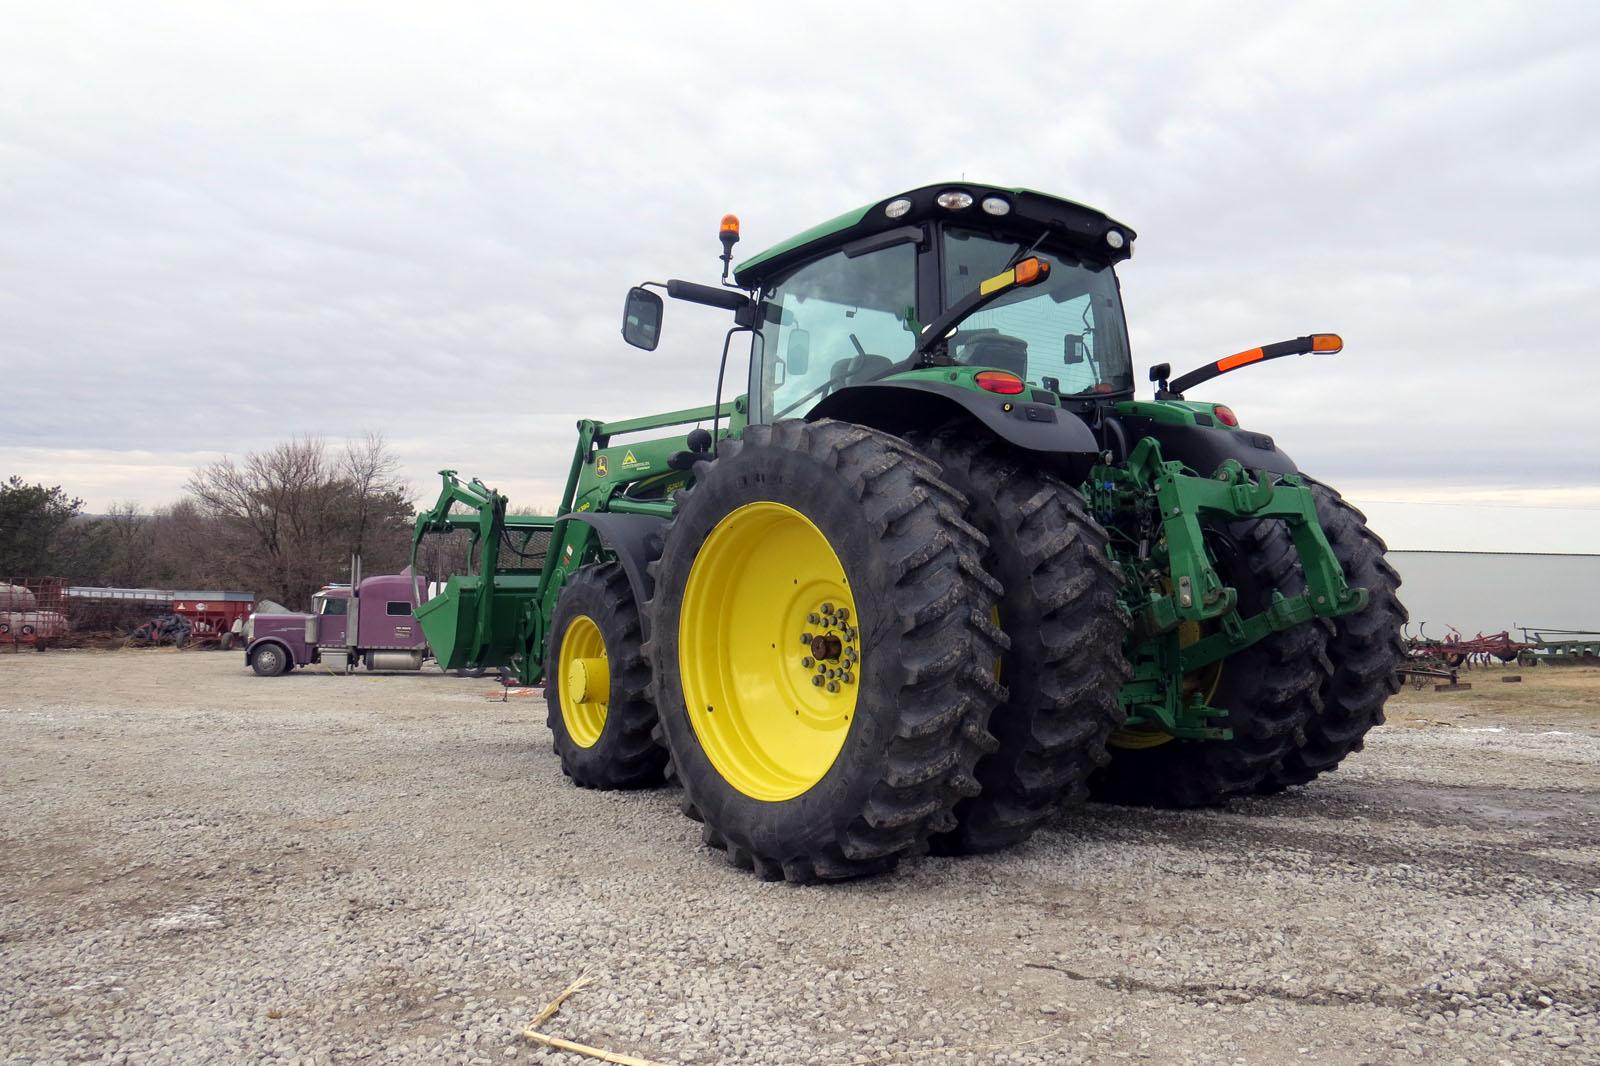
x: 858, y: 368
x: 999, y: 351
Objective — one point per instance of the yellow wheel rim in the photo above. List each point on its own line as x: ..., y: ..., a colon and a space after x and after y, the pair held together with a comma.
x: 769, y: 651
x: 1205, y: 680
x: 585, y: 681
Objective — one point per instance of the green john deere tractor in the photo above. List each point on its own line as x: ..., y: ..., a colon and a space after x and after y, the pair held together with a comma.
x: 935, y: 572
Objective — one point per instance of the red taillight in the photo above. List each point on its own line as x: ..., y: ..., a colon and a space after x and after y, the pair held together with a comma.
x: 999, y: 381
x: 1225, y: 415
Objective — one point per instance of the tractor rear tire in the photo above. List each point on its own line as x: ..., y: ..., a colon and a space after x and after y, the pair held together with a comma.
x: 1364, y: 651
x: 1270, y: 689
x: 1065, y: 665
x: 269, y: 660
x: 595, y: 642
x: 822, y: 636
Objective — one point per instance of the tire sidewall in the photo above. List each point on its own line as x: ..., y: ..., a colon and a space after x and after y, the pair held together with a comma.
x: 782, y: 475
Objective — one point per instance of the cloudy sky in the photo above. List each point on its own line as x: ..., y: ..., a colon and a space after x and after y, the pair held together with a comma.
x: 221, y: 225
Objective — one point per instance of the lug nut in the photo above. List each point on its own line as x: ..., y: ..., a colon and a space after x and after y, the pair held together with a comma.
x: 844, y: 613
x: 813, y: 618
x: 816, y: 679
x: 805, y: 638
x: 833, y: 686
x: 849, y: 678
x: 827, y: 608
x: 808, y: 662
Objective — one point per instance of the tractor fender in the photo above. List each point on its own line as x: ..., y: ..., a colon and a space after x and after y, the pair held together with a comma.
x: 635, y: 539
x: 1203, y: 449
x: 900, y: 407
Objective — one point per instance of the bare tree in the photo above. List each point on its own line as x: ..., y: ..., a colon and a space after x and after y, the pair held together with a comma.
x: 286, y: 520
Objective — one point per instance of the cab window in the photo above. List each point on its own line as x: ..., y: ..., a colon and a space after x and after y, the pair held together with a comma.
x: 835, y: 321
x: 1066, y: 333
x: 332, y: 604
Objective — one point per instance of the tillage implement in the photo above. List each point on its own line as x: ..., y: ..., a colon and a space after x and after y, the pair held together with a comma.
x: 934, y: 572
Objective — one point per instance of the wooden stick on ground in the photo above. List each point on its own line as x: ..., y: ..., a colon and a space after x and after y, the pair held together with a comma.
x: 531, y: 1032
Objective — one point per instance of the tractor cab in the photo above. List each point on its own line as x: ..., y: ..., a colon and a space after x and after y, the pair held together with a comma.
x: 850, y: 302
x: 950, y: 303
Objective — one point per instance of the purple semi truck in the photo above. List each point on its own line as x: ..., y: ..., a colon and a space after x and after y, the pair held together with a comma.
x: 376, y: 627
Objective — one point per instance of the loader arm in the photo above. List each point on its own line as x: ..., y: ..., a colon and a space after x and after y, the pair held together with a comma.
x: 461, y: 623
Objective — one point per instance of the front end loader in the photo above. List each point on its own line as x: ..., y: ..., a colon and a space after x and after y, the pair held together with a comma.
x: 936, y: 572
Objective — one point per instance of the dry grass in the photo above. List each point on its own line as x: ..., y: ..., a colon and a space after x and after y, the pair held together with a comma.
x: 1546, y: 695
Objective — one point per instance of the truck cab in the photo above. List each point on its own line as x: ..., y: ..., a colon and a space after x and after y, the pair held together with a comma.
x: 372, y: 624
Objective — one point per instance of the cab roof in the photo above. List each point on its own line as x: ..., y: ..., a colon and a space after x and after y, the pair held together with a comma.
x: 1026, y: 212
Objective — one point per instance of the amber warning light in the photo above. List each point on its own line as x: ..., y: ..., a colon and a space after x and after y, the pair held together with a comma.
x: 728, y: 234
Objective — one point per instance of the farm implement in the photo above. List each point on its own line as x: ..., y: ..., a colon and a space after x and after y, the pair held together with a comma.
x: 934, y: 571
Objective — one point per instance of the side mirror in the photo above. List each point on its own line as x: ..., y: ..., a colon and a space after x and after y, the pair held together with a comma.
x: 798, y: 361
x: 641, y: 319
x: 1074, y: 349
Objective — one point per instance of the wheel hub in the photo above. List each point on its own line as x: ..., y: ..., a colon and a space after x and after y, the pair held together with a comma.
x: 585, y: 679
x: 832, y: 651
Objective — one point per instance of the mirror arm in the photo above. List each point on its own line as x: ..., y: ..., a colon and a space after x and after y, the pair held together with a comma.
x: 728, y: 299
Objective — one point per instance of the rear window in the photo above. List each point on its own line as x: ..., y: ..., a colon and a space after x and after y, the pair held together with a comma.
x: 398, y: 608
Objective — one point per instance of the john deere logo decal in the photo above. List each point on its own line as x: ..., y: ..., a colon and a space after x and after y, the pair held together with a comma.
x: 600, y: 466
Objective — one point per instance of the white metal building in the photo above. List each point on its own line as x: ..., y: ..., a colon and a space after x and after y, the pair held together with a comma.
x: 1490, y: 591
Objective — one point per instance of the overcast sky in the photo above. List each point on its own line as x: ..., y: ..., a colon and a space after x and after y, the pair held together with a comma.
x: 223, y: 225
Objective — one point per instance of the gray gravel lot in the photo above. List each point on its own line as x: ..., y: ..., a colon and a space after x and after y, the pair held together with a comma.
x: 197, y: 864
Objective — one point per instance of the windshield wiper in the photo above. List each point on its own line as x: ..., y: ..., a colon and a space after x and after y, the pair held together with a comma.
x: 1023, y: 253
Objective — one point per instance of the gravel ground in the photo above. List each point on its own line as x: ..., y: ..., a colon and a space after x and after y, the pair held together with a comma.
x: 197, y: 864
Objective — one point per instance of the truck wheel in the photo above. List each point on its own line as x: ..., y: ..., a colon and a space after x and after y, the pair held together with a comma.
x: 1065, y: 665
x: 597, y: 684
x: 1270, y: 690
x: 269, y: 660
x: 822, y: 637
x: 1364, y: 651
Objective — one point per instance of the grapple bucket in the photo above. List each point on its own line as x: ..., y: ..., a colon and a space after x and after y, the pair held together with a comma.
x: 450, y: 620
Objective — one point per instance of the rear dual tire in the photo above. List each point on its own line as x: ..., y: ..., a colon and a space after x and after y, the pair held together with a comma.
x: 1065, y: 664
x: 1271, y: 690
x: 1364, y: 649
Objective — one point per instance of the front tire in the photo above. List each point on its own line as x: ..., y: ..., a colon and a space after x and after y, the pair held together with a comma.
x: 269, y: 660
x: 822, y: 639
x: 597, y: 684
x: 1065, y: 665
